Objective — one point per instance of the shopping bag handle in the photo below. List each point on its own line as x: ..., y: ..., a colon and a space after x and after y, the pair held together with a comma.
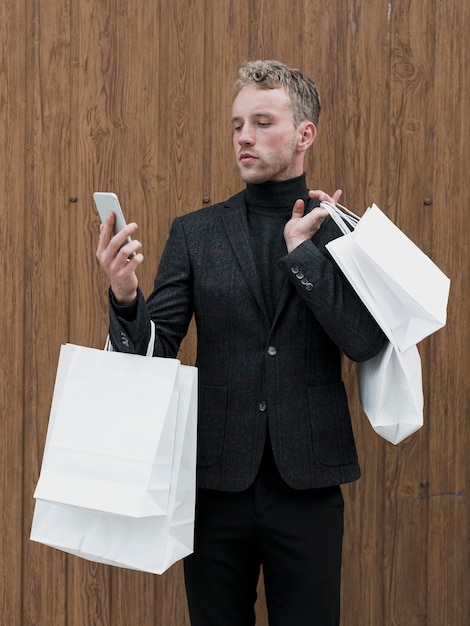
x: 345, y: 219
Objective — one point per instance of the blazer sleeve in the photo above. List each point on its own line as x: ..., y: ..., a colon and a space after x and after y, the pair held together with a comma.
x: 170, y: 306
x: 330, y: 297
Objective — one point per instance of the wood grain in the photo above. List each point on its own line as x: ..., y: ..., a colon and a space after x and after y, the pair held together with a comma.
x: 12, y: 362
x: 136, y: 98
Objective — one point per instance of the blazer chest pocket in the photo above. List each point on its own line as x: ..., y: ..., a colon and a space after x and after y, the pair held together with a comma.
x: 330, y: 425
x: 212, y: 413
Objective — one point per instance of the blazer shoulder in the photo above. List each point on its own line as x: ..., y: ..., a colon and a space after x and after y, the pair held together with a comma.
x: 207, y: 214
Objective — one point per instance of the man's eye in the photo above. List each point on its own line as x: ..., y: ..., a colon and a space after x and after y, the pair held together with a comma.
x: 263, y: 124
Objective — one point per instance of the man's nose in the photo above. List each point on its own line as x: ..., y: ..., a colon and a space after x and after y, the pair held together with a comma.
x: 245, y: 137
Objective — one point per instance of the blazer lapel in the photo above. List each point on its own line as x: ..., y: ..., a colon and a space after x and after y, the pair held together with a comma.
x: 235, y: 221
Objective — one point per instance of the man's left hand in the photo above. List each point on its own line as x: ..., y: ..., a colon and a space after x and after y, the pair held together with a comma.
x: 302, y: 227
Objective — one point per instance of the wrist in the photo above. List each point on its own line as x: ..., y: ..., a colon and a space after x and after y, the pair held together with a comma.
x: 123, y: 298
x: 292, y: 244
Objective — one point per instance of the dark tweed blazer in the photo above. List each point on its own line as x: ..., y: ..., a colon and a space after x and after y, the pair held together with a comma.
x: 257, y: 374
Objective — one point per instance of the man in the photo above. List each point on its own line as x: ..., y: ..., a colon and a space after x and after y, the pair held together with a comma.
x: 273, y: 315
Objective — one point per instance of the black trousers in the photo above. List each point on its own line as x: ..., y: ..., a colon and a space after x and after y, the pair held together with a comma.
x: 296, y: 536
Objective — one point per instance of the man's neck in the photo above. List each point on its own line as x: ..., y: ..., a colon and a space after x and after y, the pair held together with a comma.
x: 277, y: 193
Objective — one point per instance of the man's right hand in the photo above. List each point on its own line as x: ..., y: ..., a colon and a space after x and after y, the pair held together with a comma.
x: 120, y: 259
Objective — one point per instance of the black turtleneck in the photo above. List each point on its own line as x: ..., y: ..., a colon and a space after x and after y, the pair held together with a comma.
x: 269, y: 209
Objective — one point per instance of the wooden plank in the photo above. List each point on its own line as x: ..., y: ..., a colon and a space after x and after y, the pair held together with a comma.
x: 185, y: 121
x: 324, y: 58
x: 447, y: 395
x: 276, y: 31
x: 361, y: 97
x: 46, y: 275
x: 138, y: 109
x: 409, y: 181
x: 109, y: 66
x: 226, y: 48
x: 182, y: 147
x: 137, y: 99
x: 13, y: 215
x: 362, y: 594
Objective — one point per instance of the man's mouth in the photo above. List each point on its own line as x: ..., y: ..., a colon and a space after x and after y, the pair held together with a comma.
x: 246, y: 157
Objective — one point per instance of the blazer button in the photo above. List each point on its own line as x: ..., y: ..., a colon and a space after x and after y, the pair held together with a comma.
x: 295, y: 269
x: 272, y: 351
x: 262, y: 406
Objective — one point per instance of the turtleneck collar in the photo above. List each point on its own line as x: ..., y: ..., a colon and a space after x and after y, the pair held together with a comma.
x: 277, y: 193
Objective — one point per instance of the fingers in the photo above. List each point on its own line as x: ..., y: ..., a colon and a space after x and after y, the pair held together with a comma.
x: 119, y: 251
x: 109, y: 245
x: 337, y: 195
x: 119, y: 255
x: 302, y: 227
x: 127, y: 257
x: 298, y: 209
x: 317, y: 217
x: 324, y: 197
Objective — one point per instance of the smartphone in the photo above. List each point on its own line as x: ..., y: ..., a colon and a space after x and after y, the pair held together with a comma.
x: 106, y: 203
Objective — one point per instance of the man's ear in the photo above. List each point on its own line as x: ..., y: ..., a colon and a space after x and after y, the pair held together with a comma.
x: 308, y: 132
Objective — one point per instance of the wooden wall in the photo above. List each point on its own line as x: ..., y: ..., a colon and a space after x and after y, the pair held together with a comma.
x: 135, y: 97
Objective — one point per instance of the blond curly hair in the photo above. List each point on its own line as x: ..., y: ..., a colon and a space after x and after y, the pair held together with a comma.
x: 301, y: 89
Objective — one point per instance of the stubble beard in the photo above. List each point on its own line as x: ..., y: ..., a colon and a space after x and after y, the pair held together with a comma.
x: 264, y: 171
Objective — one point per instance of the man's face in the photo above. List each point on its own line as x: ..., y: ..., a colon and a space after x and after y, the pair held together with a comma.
x: 264, y: 137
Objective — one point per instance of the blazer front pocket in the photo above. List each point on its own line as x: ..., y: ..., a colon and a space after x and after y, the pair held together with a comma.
x: 330, y: 425
x: 212, y: 412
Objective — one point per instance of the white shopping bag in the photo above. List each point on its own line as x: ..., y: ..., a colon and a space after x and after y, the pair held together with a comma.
x: 391, y: 392
x: 117, y: 482
x: 402, y: 288
x: 407, y: 295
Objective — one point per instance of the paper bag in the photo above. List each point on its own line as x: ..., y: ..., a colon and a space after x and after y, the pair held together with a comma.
x: 403, y: 289
x: 391, y: 392
x: 117, y: 482
x: 407, y: 295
